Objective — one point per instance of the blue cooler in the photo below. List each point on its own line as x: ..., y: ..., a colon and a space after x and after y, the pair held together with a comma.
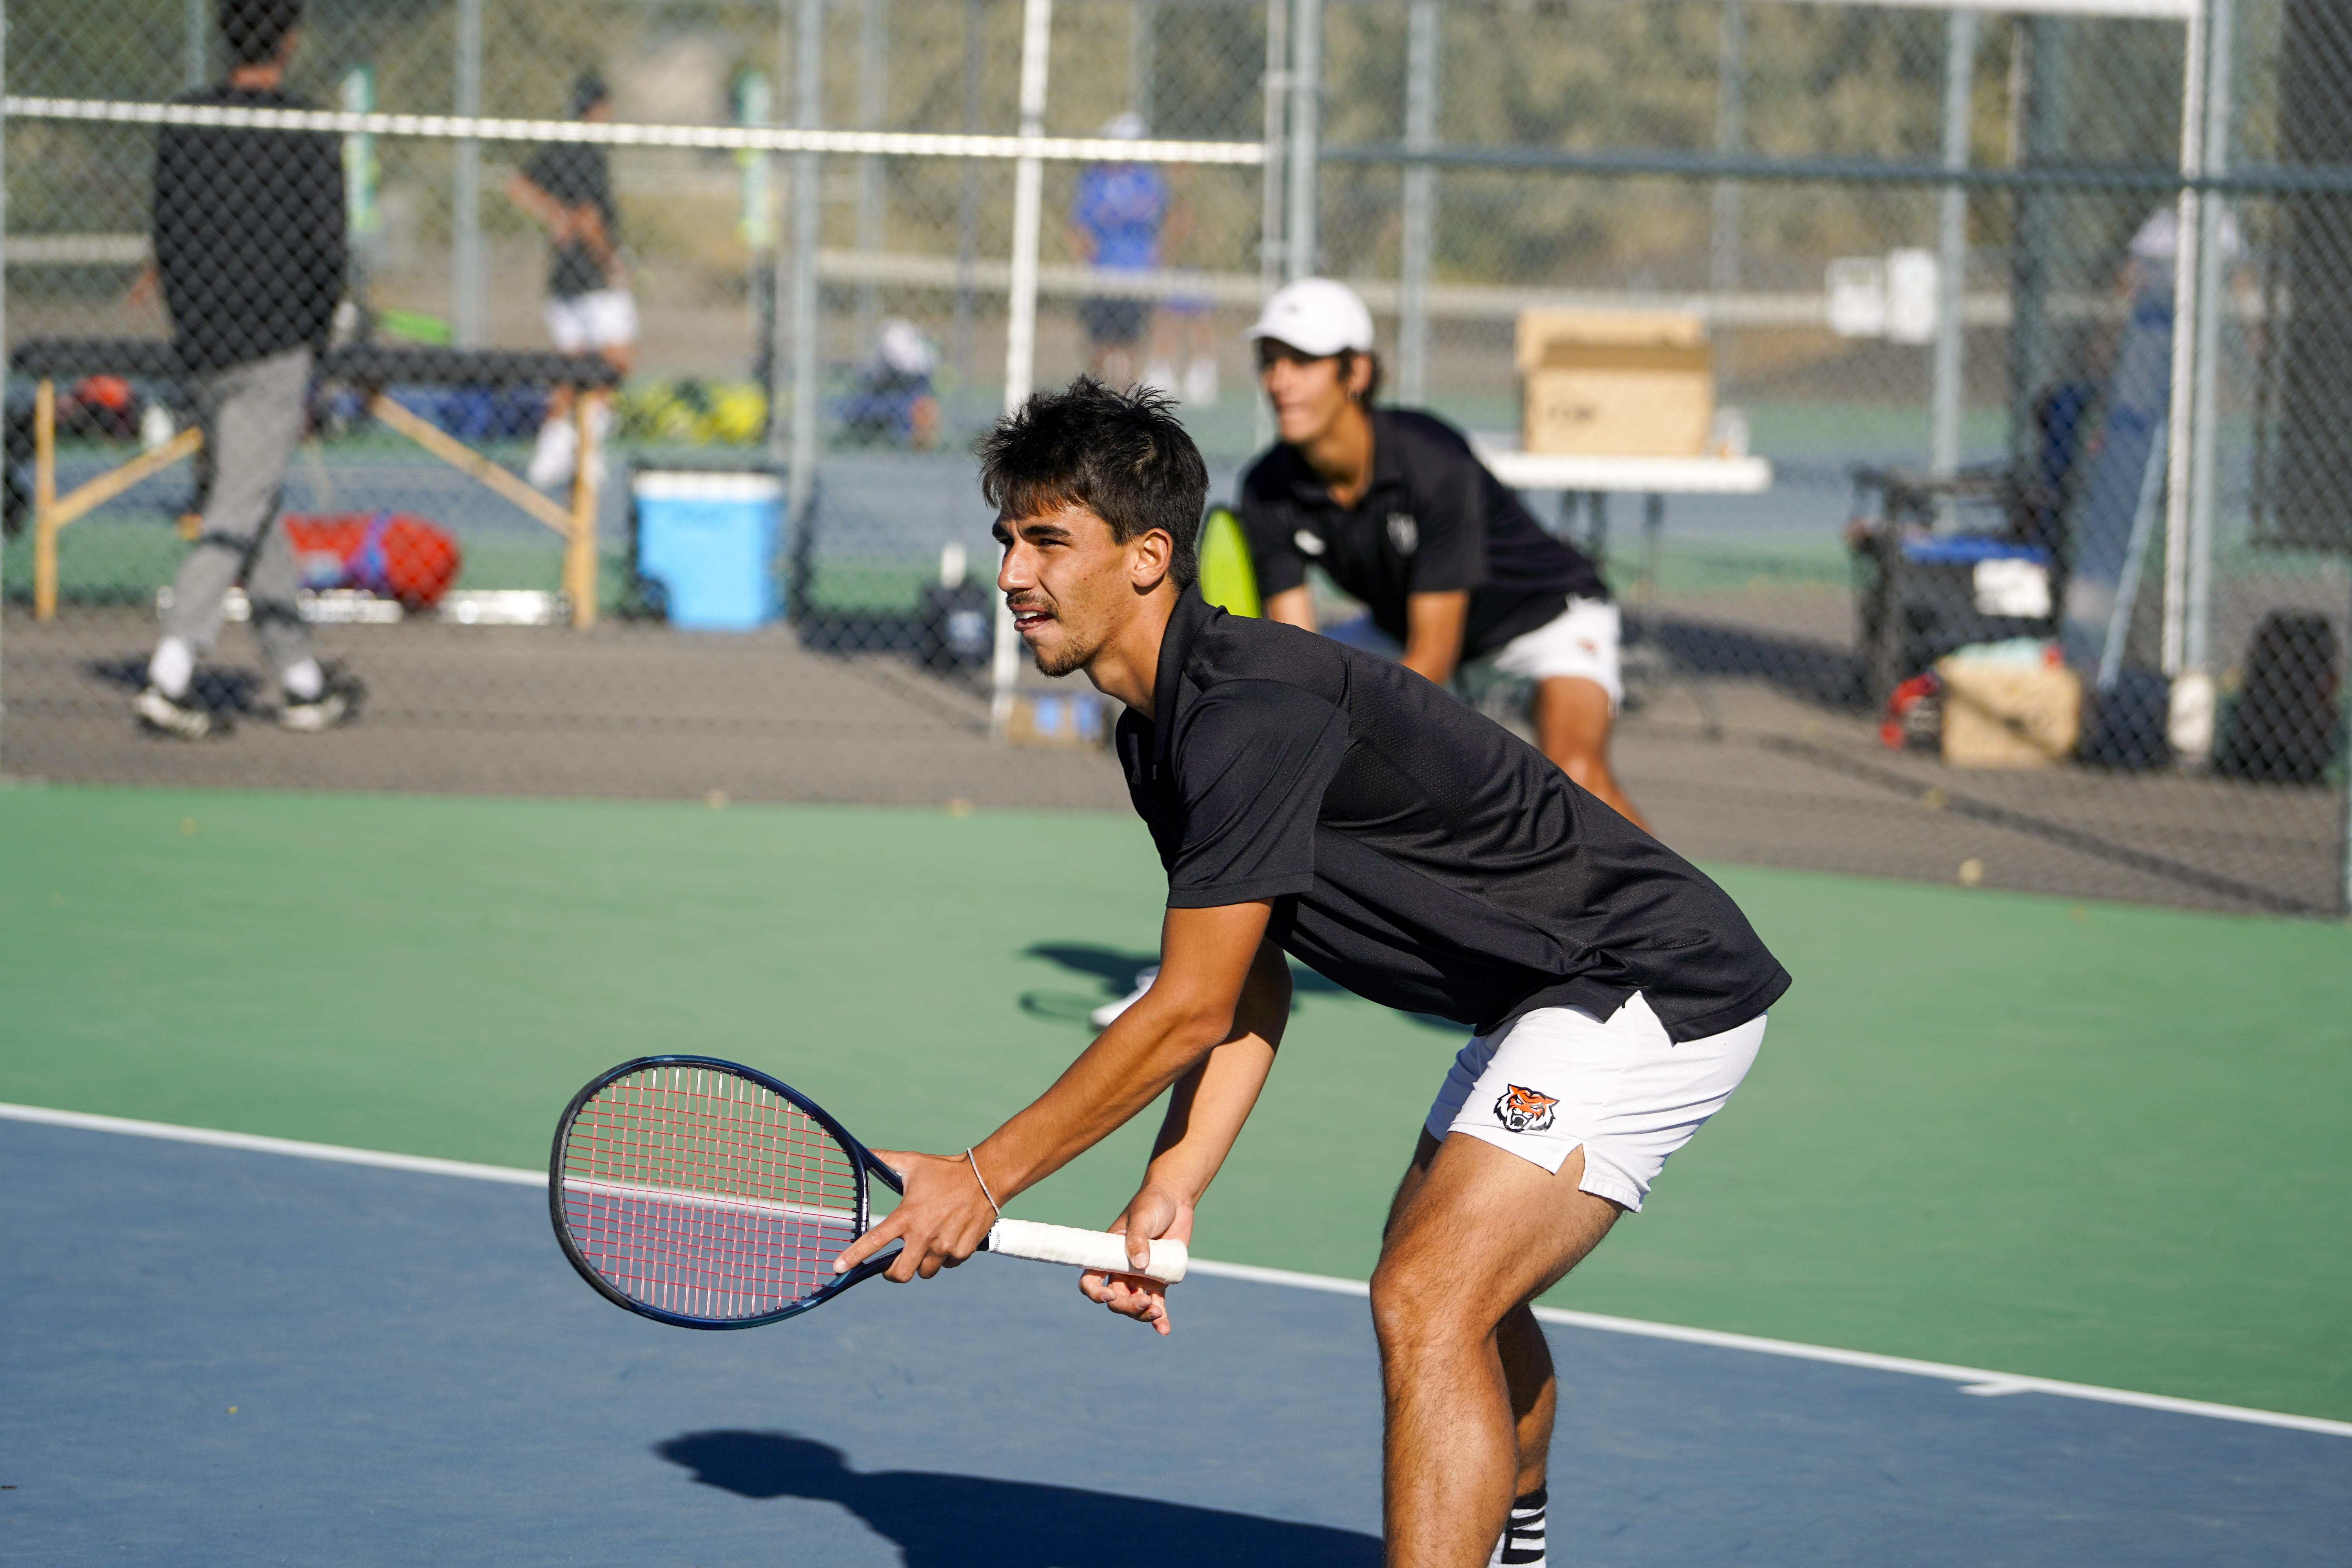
x: 710, y: 540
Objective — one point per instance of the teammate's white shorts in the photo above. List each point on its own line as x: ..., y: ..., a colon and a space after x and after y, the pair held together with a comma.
x: 605, y: 319
x: 1559, y: 1078
x: 1580, y: 641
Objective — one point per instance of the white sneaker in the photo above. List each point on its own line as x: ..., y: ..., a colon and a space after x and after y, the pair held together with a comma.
x: 1102, y: 1017
x: 336, y: 703
x: 553, y: 459
x: 1159, y: 376
x: 1201, y: 380
x: 179, y: 718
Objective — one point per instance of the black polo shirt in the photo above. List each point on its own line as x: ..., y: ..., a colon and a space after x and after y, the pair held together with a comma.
x: 1416, y: 853
x: 248, y: 232
x: 1433, y: 521
x: 577, y: 174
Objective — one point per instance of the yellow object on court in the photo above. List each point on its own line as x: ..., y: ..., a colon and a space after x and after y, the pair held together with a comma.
x: 1227, y: 576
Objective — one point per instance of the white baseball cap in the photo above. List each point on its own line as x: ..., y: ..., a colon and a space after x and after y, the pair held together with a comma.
x: 1318, y: 316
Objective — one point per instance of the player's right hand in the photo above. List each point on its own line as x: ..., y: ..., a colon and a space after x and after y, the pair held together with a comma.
x: 1155, y: 1213
x: 940, y: 1220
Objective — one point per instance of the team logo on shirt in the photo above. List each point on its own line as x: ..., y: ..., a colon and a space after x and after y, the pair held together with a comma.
x: 1309, y: 543
x: 1524, y: 1111
x: 1404, y: 533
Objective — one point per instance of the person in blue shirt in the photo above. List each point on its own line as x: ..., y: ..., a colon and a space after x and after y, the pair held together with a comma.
x: 1114, y: 223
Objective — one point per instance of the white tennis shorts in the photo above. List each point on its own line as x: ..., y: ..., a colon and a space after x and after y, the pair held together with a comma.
x: 605, y: 319
x: 1559, y: 1079
x: 1580, y: 641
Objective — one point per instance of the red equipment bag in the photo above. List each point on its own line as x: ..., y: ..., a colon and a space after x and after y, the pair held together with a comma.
x: 389, y: 553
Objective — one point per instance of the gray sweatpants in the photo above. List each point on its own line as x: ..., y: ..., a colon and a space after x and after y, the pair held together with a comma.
x: 252, y: 416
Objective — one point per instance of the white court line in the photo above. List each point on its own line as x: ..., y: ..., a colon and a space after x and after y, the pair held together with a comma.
x: 1971, y: 1380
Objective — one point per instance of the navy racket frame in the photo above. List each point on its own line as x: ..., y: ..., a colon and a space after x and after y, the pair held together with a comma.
x: 862, y: 1160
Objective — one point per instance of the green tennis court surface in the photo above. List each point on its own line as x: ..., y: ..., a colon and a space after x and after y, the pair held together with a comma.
x: 2081, y: 1142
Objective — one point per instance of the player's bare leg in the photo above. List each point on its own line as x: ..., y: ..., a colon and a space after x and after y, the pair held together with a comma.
x: 1526, y: 1354
x: 1475, y: 1232
x: 1573, y: 721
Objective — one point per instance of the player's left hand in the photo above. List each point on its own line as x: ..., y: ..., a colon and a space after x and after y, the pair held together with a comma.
x: 1155, y: 1213
x: 941, y: 1219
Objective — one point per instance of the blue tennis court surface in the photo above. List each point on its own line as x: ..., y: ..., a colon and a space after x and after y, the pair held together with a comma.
x: 224, y: 1356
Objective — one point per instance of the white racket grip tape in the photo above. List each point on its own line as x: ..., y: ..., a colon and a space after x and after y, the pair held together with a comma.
x: 1098, y: 1250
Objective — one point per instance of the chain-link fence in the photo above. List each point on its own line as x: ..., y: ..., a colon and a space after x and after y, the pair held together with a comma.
x: 1991, y: 526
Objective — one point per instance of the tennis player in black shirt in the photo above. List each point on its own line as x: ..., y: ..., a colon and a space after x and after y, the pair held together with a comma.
x: 1397, y: 508
x: 247, y: 226
x: 568, y: 187
x: 1313, y: 801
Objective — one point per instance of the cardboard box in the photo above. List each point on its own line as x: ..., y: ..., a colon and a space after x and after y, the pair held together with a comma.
x: 2006, y: 715
x: 1615, y: 384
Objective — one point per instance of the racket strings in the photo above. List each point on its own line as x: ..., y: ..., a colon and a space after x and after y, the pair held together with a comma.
x: 705, y: 1194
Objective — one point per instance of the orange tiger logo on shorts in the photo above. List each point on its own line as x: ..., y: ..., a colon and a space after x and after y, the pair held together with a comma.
x: 1524, y: 1111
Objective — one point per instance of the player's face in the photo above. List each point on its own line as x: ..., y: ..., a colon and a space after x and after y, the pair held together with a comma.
x: 1070, y: 586
x: 1307, y: 392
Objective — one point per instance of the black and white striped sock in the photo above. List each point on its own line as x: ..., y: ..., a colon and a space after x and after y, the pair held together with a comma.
x: 1522, y: 1545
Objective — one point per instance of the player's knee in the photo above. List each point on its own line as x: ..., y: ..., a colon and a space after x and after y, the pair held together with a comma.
x: 1418, y: 1305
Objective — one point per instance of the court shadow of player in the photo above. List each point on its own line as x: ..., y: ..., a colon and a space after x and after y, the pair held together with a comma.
x: 1118, y: 969
x: 971, y: 1522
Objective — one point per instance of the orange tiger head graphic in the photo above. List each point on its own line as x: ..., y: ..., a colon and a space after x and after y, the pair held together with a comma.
x: 1524, y: 1111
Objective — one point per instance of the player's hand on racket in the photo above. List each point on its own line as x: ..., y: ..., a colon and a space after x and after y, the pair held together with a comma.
x: 941, y: 1219
x: 1155, y: 1213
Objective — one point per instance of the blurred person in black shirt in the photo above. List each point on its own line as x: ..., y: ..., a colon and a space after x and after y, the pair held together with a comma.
x: 568, y: 187
x: 1395, y: 505
x: 248, y: 236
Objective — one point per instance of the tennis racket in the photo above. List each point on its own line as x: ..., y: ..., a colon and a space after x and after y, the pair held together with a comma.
x: 698, y: 1193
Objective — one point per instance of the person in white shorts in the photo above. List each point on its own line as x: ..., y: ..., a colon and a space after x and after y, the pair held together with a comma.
x: 1312, y: 803
x: 1395, y: 507
x: 568, y: 187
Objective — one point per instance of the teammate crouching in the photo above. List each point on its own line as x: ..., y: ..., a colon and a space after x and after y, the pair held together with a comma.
x: 1315, y: 802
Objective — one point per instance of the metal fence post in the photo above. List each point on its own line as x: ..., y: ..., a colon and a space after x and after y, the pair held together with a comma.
x: 2188, y: 227
x: 1730, y: 137
x: 808, y: 112
x: 968, y: 190
x: 1947, y: 388
x: 873, y: 108
x: 465, y: 271
x: 1020, y: 315
x: 3, y: 346
x: 1299, y: 241
x: 197, y: 66
x: 1421, y: 68
x: 1143, y: 63
x: 1272, y: 266
x: 2213, y: 266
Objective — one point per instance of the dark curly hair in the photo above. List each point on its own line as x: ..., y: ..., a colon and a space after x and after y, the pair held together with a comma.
x: 1122, y: 455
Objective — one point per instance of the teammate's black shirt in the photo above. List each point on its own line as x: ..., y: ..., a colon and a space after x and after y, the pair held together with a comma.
x: 577, y: 174
x: 248, y: 232
x: 1418, y: 854
x: 1433, y: 521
